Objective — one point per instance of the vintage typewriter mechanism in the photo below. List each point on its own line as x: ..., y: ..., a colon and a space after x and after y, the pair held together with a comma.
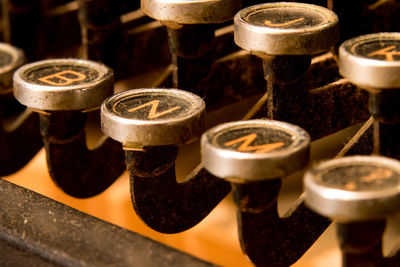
x: 184, y: 109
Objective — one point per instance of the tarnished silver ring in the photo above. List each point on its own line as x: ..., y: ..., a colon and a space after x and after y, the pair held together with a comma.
x: 153, y: 117
x: 354, y: 188
x: 191, y: 11
x: 63, y: 84
x: 254, y: 150
x: 11, y: 58
x: 371, y: 61
x: 286, y: 29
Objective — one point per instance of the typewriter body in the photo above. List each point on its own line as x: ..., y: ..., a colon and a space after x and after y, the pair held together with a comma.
x: 252, y: 83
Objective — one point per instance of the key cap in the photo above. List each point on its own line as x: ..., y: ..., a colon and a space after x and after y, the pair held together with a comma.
x: 254, y: 156
x: 63, y: 84
x: 153, y: 117
x: 286, y: 29
x: 191, y: 11
x: 354, y: 188
x: 257, y: 150
x: 359, y: 192
x: 372, y: 62
x: 11, y: 58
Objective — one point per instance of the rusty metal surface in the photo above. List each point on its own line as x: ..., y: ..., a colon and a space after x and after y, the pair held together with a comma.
x: 78, y: 171
x: 233, y: 79
x: 361, y: 243
x: 316, y: 99
x: 386, y: 139
x: 101, y: 30
x: 160, y: 201
x: 386, y: 113
x: 265, y: 237
x: 190, y: 47
x: 38, y: 231
x: 20, y: 142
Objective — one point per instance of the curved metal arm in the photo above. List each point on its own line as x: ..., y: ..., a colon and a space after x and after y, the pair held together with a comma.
x: 190, y: 48
x: 160, y: 201
x: 20, y: 139
x: 361, y: 243
x: 78, y: 171
x: 266, y: 238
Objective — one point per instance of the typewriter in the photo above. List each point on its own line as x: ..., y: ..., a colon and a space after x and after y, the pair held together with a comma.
x: 199, y: 133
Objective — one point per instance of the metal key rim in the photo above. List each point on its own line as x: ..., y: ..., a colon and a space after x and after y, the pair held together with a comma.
x: 85, y: 96
x: 18, y: 58
x: 242, y: 167
x: 191, y: 11
x: 346, y: 205
x: 16, y: 54
x: 135, y: 133
x: 366, y: 72
x: 280, y: 41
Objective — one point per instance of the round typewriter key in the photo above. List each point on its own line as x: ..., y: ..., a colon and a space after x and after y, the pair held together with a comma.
x: 63, y: 84
x: 372, y: 61
x: 254, y: 150
x: 354, y: 188
x: 191, y: 11
x: 153, y: 117
x: 11, y: 58
x: 286, y: 29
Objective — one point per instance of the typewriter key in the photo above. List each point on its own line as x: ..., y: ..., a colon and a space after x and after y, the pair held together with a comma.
x: 254, y: 150
x: 253, y: 156
x: 359, y: 192
x: 372, y: 61
x: 63, y: 84
x: 153, y: 117
x: 354, y: 188
x: 191, y: 11
x: 11, y: 58
x: 285, y: 36
x: 151, y: 124
x: 286, y: 29
x: 64, y: 89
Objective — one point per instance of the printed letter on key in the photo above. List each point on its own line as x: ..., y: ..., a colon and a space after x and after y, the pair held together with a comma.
x: 387, y: 52
x: 248, y: 139
x: 153, y: 114
x: 63, y: 78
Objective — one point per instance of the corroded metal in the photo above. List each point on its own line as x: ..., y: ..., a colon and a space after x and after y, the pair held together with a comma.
x: 265, y: 237
x: 78, y: 171
x: 315, y: 108
x: 153, y: 117
x: 163, y: 203
x: 20, y: 137
x: 190, y: 48
x: 101, y: 30
x: 361, y: 243
x: 359, y: 193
